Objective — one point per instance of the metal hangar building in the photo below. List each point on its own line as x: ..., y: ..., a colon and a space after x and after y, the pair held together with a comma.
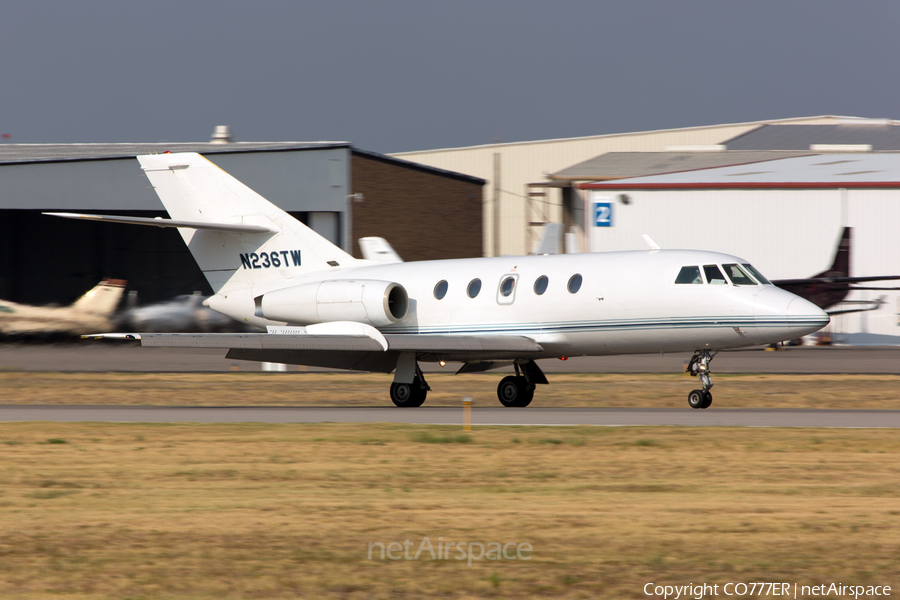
x: 519, y: 196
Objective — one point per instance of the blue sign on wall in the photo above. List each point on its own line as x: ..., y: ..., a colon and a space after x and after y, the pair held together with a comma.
x: 603, y: 214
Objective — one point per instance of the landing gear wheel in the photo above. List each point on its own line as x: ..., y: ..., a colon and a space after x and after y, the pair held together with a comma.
x: 527, y: 397
x: 513, y: 392
x: 699, y: 367
x: 696, y: 399
x: 408, y: 395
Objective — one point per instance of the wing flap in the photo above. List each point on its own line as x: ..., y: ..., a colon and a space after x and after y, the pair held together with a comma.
x: 833, y: 280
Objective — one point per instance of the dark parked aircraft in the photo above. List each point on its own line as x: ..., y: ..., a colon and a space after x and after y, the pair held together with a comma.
x: 831, y: 287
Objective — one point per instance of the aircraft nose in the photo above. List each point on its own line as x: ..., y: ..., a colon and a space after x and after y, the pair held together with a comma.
x: 780, y: 315
x: 804, y: 317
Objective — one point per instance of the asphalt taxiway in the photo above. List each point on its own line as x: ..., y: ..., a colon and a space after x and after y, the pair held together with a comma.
x: 131, y: 357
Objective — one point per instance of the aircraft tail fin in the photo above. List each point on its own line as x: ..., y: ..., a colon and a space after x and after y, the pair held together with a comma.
x: 840, y: 266
x: 103, y: 298
x: 237, y: 237
x: 548, y: 243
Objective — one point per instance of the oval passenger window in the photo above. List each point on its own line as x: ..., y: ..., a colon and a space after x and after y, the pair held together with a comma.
x: 440, y: 290
x: 506, y: 288
x: 474, y: 288
x: 540, y: 285
x: 574, y: 283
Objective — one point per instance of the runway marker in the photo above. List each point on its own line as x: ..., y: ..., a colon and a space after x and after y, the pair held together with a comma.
x: 467, y: 413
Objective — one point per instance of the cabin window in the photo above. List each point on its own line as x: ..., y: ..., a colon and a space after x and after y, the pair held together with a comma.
x: 506, y: 287
x: 574, y: 283
x: 474, y: 288
x: 714, y: 275
x: 440, y: 290
x: 689, y: 275
x: 737, y: 275
x: 757, y: 274
x: 540, y: 285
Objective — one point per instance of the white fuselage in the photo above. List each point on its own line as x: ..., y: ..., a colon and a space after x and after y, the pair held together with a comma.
x: 628, y: 302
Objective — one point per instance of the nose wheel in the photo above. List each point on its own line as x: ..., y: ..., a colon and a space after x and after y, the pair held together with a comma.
x: 699, y: 367
x: 699, y: 399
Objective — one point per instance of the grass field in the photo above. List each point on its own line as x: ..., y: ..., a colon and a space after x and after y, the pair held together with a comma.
x: 342, y: 389
x: 125, y: 511
x: 131, y: 511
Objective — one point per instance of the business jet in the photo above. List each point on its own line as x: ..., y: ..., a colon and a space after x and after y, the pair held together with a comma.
x: 322, y: 307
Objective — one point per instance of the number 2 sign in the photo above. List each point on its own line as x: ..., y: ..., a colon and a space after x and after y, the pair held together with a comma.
x: 603, y: 214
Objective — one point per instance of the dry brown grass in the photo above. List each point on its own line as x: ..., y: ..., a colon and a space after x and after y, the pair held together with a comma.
x: 91, y: 511
x: 351, y: 389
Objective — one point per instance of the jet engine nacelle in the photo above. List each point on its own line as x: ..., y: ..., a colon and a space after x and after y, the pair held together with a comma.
x: 377, y: 303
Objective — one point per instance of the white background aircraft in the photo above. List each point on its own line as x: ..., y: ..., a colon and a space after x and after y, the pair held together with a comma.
x: 323, y: 307
x: 92, y: 311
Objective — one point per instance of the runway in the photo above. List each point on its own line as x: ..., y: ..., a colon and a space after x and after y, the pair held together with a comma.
x: 610, y: 417
x: 130, y: 357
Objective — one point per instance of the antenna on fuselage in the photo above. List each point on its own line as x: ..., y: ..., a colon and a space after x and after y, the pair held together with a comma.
x: 653, y: 245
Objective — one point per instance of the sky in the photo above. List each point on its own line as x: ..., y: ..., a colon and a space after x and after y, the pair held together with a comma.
x: 402, y: 75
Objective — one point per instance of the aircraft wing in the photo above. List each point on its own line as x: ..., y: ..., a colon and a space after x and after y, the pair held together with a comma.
x: 831, y: 280
x: 360, y: 351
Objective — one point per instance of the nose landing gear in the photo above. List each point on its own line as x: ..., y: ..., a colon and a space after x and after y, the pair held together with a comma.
x: 699, y: 367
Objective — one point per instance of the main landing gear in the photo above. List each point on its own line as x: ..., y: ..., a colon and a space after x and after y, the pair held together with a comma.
x: 410, y: 394
x: 515, y: 391
x: 518, y: 390
x: 699, y: 367
x: 409, y: 388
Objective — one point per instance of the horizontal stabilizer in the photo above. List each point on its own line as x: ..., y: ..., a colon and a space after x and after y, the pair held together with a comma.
x: 226, y: 227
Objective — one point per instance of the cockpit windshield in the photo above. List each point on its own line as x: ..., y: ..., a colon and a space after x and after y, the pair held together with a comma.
x: 759, y: 276
x: 737, y: 275
x: 742, y: 274
x: 714, y: 275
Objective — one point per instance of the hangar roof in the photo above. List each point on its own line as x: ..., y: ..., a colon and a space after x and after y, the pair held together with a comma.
x: 12, y: 154
x: 881, y: 136
x: 21, y: 153
x: 763, y: 143
x: 618, y: 165
x: 870, y: 170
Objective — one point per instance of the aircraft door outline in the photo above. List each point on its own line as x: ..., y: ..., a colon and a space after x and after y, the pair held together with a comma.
x: 506, y: 289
